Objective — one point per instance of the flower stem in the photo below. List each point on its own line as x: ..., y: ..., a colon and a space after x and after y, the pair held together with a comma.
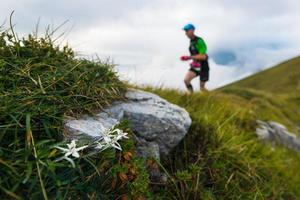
x: 29, y: 134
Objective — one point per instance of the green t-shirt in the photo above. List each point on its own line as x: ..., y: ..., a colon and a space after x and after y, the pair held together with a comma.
x: 197, y: 46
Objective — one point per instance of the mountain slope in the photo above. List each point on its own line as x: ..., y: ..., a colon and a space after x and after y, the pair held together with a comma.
x: 276, y: 90
x: 282, y: 78
x: 221, y: 157
x: 222, y: 147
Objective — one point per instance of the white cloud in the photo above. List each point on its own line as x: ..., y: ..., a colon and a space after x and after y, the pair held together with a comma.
x: 145, y: 37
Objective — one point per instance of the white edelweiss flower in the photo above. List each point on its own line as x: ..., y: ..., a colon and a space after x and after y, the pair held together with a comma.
x: 116, y: 145
x: 121, y: 134
x: 107, y: 138
x: 99, y: 145
x: 72, y: 144
x: 71, y: 150
x: 111, y: 142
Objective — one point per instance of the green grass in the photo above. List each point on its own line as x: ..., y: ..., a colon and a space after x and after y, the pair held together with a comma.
x: 221, y: 157
x: 280, y: 79
x: 276, y: 90
x: 41, y: 84
x: 281, y: 108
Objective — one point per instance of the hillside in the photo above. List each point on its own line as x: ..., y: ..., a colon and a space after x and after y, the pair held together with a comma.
x: 233, y: 163
x: 276, y: 89
x: 280, y: 79
x: 220, y: 157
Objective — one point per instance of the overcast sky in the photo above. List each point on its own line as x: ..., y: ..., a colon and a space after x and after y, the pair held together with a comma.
x: 145, y: 38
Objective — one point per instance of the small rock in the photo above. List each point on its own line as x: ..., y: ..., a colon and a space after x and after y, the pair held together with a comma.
x: 276, y: 132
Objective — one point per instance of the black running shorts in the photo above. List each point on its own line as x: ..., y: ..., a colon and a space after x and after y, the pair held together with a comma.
x: 203, y: 72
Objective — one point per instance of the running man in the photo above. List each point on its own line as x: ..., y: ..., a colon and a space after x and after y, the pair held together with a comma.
x: 199, y: 65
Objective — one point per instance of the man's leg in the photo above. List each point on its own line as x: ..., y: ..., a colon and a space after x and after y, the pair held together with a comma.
x: 202, y: 86
x: 187, y: 80
x: 204, y: 76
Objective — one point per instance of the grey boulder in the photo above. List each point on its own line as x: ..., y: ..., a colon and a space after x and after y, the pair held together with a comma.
x: 158, y: 124
x: 276, y: 132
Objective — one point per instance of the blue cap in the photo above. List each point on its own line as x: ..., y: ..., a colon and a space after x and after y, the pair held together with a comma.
x: 188, y: 27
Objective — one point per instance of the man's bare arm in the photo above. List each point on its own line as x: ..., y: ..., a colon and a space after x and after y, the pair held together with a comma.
x: 199, y: 57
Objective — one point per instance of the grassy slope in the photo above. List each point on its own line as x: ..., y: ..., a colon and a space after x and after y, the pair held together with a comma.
x: 276, y: 89
x: 281, y: 79
x: 221, y: 157
x: 40, y: 85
